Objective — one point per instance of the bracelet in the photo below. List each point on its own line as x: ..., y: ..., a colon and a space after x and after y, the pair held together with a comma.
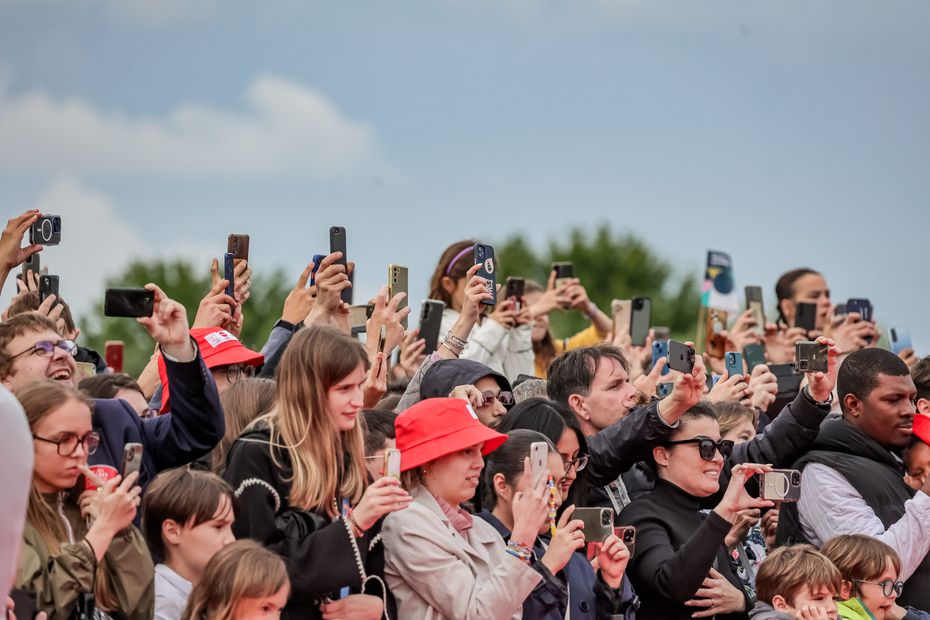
x: 358, y: 531
x: 818, y: 403
x: 455, y: 341
x: 519, y: 551
x: 454, y: 352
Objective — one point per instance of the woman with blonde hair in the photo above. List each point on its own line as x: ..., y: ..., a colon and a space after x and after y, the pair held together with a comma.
x: 243, y: 581
x: 300, y: 478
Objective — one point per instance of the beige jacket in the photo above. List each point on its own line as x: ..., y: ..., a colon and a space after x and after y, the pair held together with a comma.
x: 435, y: 573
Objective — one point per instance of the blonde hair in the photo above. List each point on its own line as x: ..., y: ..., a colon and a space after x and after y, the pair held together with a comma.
x: 860, y: 557
x: 316, y: 359
x: 241, y: 570
x: 246, y: 399
x: 786, y: 569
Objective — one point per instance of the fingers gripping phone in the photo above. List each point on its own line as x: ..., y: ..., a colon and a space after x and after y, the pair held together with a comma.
x: 33, y: 264
x: 539, y: 451
x: 640, y: 320
x: 680, y: 356
x: 128, y: 302
x: 132, y: 459
x: 48, y: 285
x: 622, y: 309
x: 337, y: 243
x: 430, y: 323
x: 484, y: 256
x: 810, y: 356
x: 598, y: 525
x: 564, y: 271
x: 515, y: 288
x: 733, y: 362
x: 397, y: 283
x: 783, y: 485
x: 627, y: 535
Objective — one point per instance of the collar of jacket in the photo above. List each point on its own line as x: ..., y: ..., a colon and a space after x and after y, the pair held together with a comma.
x: 476, y: 535
x: 841, y: 436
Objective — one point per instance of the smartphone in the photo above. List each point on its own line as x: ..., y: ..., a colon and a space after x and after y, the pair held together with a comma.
x: 539, y: 452
x: 806, y: 316
x: 563, y: 272
x: 337, y: 243
x: 715, y: 322
x: 810, y: 356
x: 515, y: 288
x: 113, y: 354
x: 839, y: 311
x: 25, y: 603
x: 392, y: 463
x: 733, y: 362
x: 789, y: 379
x: 754, y: 354
x: 33, y: 264
x: 782, y: 485
x: 48, y: 285
x: 862, y: 306
x: 484, y: 256
x: 754, y: 303
x: 46, y: 230
x: 680, y: 356
x: 660, y: 349
x: 229, y: 274
x: 132, y: 459
x: 661, y: 333
x: 430, y: 322
x: 397, y: 283
x: 900, y: 338
x: 358, y: 317
x: 598, y: 523
x: 317, y: 259
x: 128, y: 302
x: 640, y: 320
x: 664, y: 389
x: 238, y: 246
x: 622, y: 309
x: 627, y: 535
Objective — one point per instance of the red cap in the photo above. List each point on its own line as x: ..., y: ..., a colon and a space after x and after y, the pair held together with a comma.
x: 217, y: 347
x: 436, y: 427
x: 922, y: 427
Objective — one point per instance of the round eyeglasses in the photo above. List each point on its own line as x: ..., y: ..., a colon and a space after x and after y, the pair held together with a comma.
x: 69, y: 442
x: 46, y: 348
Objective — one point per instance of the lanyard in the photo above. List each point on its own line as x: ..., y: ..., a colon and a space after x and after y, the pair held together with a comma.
x: 618, y: 495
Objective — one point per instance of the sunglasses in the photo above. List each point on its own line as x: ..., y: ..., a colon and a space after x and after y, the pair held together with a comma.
x: 505, y: 398
x: 707, y: 446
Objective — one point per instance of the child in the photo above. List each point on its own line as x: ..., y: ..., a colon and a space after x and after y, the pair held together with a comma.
x: 379, y: 436
x: 870, y: 570
x: 187, y: 517
x: 244, y: 581
x: 917, y: 454
x: 796, y: 583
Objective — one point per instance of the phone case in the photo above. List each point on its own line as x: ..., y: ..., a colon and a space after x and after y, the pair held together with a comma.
x: 664, y: 389
x: 238, y: 246
x: 392, y: 463
x: 627, y: 535
x: 430, y: 322
x: 900, y: 338
x: 484, y: 256
x: 48, y: 285
x: 659, y: 350
x: 754, y: 303
x: 598, y: 523
x: 337, y: 243
x: 715, y: 322
x: 806, y: 316
x: 397, y: 283
x: 317, y: 259
x: 810, y: 357
x: 680, y: 356
x: 789, y: 380
x: 538, y: 452
x: 128, y: 302
x: 781, y: 485
x: 733, y: 362
x: 563, y: 271
x: 229, y: 274
x: 640, y: 320
x: 46, y: 230
x: 754, y: 354
x: 33, y: 263
x: 132, y: 458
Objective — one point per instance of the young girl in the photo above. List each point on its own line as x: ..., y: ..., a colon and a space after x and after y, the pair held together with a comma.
x: 243, y: 581
x: 300, y: 477
x: 69, y: 566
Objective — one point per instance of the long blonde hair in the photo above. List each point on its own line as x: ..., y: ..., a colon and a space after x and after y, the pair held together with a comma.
x: 241, y: 570
x: 38, y: 400
x: 316, y: 359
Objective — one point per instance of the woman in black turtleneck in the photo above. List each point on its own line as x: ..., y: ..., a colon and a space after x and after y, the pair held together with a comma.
x: 680, y: 563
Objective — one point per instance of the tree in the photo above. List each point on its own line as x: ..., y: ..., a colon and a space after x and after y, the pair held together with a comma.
x: 610, y: 267
x: 187, y: 284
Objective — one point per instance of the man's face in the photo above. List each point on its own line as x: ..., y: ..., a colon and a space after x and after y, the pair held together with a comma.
x: 31, y: 367
x: 887, y: 413
x: 609, y: 399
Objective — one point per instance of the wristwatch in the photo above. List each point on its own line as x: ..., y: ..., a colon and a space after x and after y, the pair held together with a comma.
x: 819, y: 403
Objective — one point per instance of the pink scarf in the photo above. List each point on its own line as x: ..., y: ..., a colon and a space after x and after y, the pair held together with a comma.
x: 460, y: 520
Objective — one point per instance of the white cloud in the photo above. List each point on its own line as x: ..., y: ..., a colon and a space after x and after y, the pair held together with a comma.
x: 287, y: 129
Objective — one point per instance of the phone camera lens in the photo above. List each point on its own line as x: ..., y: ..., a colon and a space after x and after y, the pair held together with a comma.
x: 628, y: 536
x: 605, y: 518
x: 56, y: 224
x: 796, y: 478
x: 804, y: 365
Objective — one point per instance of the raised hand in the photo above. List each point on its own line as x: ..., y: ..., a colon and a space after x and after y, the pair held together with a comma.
x: 299, y: 302
x: 735, y: 498
x: 764, y: 386
x: 731, y: 389
x: 717, y: 596
x: 12, y: 254
x: 383, y: 496
x: 168, y: 326
x: 331, y: 279
x: 569, y: 538
x: 686, y: 392
x: 215, y: 309
x: 612, y: 560
x: 820, y: 385
x: 530, y: 507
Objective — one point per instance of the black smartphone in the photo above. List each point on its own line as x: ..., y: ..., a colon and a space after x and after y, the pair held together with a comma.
x: 48, y: 285
x: 754, y: 354
x: 337, y: 243
x: 33, y: 264
x: 680, y: 356
x: 430, y: 322
x: 810, y: 356
x: 806, y: 316
x: 484, y: 256
x: 229, y: 274
x: 860, y: 305
x: 640, y: 320
x: 238, y: 246
x: 754, y: 303
x: 515, y: 288
x: 563, y: 271
x: 46, y: 230
x: 789, y: 380
x: 25, y: 603
x: 128, y: 302
x: 132, y: 458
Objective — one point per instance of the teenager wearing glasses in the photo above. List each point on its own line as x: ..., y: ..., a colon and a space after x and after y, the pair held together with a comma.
x: 680, y: 565
x: 72, y: 552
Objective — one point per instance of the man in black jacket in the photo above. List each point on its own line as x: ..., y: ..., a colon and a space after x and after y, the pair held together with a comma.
x: 853, y: 478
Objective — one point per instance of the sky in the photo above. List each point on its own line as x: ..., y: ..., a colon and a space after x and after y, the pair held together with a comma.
x: 787, y: 134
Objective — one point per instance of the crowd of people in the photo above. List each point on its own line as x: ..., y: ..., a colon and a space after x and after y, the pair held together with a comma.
x: 509, y: 473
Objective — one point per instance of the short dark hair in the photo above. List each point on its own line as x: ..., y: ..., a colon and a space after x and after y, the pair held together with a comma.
x: 920, y: 373
x: 188, y: 497
x: 573, y: 371
x: 16, y: 326
x: 858, y: 375
x: 508, y: 460
x: 108, y: 385
x: 378, y: 427
x: 787, y: 569
x: 29, y: 302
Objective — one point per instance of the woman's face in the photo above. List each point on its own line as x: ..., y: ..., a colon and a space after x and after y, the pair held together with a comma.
x: 568, y: 448
x: 742, y: 432
x: 54, y: 472
x: 454, y: 477
x: 522, y: 484
x: 263, y: 607
x: 344, y: 400
x: 685, y: 468
x: 874, y: 598
x: 541, y: 321
x: 812, y: 289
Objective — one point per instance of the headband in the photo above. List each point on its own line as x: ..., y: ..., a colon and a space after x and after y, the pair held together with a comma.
x: 457, y: 257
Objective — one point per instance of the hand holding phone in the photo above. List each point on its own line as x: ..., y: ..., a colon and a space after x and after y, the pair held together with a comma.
x: 132, y: 459
x: 48, y: 285
x: 484, y: 256
x: 392, y: 463
x: 539, y: 451
x: 128, y: 302
x: 338, y: 243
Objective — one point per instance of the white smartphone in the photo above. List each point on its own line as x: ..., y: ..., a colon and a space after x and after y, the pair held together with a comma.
x: 392, y: 463
x: 538, y: 452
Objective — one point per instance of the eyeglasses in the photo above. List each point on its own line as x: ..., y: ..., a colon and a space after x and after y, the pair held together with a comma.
x: 238, y: 370
x: 505, y: 398
x: 46, y: 348
x: 707, y: 446
x: 578, y: 463
x: 69, y: 443
x: 889, y: 586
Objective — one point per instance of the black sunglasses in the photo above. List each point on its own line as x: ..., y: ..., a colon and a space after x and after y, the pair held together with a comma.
x: 707, y: 446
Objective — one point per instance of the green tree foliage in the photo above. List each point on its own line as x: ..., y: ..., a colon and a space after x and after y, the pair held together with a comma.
x: 187, y: 284
x: 610, y: 267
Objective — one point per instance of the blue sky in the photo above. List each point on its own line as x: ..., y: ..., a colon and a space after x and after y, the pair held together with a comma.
x: 785, y: 133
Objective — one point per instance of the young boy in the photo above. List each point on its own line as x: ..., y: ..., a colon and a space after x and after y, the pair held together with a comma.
x: 187, y: 517
x: 379, y: 434
x: 917, y: 453
x: 796, y: 583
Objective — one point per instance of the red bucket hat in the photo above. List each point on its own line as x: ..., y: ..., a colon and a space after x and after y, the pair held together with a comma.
x: 922, y: 427
x: 217, y: 347
x: 436, y: 427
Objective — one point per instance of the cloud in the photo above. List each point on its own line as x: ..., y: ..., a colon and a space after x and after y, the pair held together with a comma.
x: 287, y: 129
x: 155, y: 13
